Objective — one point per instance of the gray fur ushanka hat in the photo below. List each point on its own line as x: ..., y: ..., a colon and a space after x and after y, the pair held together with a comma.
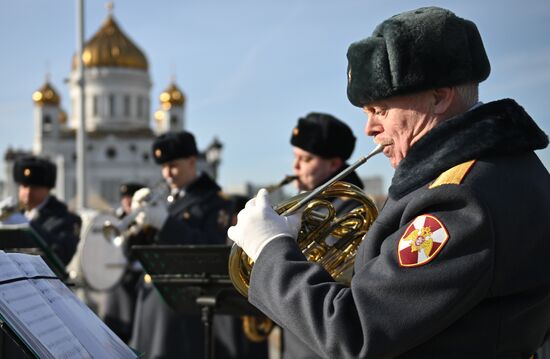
x: 413, y: 51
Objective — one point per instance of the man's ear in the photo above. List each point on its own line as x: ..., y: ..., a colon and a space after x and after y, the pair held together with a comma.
x: 336, y: 163
x: 443, y: 99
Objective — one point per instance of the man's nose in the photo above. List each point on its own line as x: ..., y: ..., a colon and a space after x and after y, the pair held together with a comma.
x: 371, y: 128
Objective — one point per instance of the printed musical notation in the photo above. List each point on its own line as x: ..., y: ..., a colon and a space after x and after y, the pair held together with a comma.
x: 48, y: 317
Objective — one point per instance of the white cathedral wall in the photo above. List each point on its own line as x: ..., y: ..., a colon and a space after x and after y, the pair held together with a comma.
x: 101, y: 84
x: 110, y: 161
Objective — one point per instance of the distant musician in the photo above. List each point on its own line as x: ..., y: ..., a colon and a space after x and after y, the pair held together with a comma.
x: 126, y: 191
x: 321, y: 146
x: 48, y: 216
x: 196, y: 212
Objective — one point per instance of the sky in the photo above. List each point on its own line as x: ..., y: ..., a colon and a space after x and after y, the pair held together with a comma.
x: 250, y: 68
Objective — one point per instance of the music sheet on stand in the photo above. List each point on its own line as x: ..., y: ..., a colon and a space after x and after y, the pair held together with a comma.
x: 48, y: 316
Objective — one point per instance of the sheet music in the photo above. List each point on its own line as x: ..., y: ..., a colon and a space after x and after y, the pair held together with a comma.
x: 37, y: 323
x: 48, y: 317
x: 31, y: 265
x: 8, y: 269
x: 98, y: 339
x: 18, y: 265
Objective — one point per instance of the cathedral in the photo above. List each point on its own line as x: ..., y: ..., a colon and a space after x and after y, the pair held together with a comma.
x: 119, y: 130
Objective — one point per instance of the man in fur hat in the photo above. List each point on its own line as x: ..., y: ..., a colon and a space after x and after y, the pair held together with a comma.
x: 321, y: 145
x: 196, y: 212
x: 456, y: 264
x: 48, y: 216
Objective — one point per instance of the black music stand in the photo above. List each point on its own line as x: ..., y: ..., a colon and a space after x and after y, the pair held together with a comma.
x: 194, y: 279
x: 23, y: 239
x: 9, y: 341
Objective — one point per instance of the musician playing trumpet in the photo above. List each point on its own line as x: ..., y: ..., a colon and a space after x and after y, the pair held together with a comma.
x: 196, y: 212
x: 456, y: 264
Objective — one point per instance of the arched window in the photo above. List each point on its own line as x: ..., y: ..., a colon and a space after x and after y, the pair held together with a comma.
x: 110, y: 153
x: 46, y: 123
x: 126, y: 105
x: 112, y: 109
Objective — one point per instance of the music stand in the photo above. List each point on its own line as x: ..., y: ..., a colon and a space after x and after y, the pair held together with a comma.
x: 7, y: 347
x: 194, y: 279
x: 23, y: 239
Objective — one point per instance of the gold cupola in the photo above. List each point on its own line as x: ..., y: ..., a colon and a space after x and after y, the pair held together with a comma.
x: 46, y: 95
x: 110, y: 47
x: 172, y: 96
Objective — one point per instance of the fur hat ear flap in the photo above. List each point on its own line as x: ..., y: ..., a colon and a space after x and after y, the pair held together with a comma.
x: 368, y: 67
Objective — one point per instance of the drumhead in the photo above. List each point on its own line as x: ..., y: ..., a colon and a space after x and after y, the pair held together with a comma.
x: 103, y: 264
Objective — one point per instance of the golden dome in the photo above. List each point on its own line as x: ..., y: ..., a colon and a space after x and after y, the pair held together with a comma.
x: 46, y: 95
x: 110, y: 47
x: 172, y: 96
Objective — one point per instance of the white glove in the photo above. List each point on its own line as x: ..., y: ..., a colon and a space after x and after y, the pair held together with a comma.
x: 140, y: 197
x: 258, y: 224
x: 153, y: 216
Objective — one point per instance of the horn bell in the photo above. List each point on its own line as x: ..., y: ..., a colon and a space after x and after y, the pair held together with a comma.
x: 319, y: 224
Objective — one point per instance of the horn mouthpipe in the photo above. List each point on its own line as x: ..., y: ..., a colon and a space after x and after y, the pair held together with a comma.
x: 336, y: 178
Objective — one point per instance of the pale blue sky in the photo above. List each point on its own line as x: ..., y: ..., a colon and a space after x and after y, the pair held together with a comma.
x: 250, y: 68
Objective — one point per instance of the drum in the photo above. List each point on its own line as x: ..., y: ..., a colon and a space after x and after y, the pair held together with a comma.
x: 98, y: 264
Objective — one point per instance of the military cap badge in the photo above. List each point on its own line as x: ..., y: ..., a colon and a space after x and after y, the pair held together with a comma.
x: 27, y: 172
x: 158, y: 153
x: 422, y: 241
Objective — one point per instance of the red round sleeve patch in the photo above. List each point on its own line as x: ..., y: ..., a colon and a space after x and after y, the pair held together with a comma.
x: 422, y: 241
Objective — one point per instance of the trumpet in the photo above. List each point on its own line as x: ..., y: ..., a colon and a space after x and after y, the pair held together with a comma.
x: 8, y: 207
x: 284, y: 182
x: 119, y: 233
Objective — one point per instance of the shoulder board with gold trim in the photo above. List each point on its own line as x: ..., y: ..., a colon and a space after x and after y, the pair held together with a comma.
x: 453, y: 175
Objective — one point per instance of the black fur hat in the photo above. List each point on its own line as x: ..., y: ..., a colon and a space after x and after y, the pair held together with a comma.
x: 34, y: 171
x: 174, y: 145
x: 323, y: 135
x: 413, y: 51
x: 129, y: 188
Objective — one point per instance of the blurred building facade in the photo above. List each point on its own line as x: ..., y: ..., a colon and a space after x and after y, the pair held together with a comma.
x: 119, y: 130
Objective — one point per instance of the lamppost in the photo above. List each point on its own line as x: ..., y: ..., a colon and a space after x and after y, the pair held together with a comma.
x: 81, y: 196
x: 214, y: 155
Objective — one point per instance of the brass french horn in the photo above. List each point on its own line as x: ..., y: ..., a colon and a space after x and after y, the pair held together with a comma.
x: 319, y: 222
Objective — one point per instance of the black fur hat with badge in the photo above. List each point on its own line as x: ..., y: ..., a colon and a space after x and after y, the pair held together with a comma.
x: 174, y: 145
x: 323, y: 135
x: 34, y: 171
x: 413, y: 51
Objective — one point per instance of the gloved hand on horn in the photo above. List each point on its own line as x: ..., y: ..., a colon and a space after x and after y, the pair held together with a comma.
x: 258, y: 224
